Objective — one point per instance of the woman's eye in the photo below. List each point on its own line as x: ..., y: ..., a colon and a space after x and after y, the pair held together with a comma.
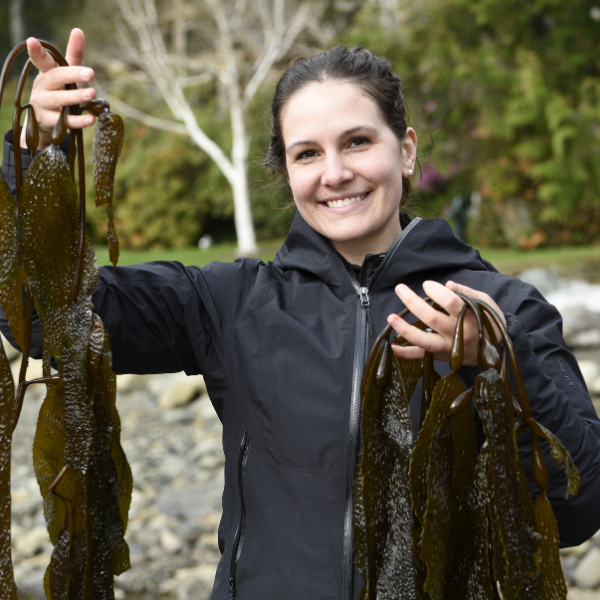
x: 359, y: 141
x: 306, y: 154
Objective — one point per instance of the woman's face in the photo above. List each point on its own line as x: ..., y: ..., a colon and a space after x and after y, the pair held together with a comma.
x: 345, y: 166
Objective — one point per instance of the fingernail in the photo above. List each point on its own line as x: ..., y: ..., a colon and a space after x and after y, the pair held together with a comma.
x: 86, y: 74
x: 89, y: 120
x: 86, y: 94
x: 400, y: 289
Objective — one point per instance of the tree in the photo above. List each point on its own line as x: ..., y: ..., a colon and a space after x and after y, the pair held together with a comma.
x: 17, y: 27
x: 237, y: 42
x: 511, y: 91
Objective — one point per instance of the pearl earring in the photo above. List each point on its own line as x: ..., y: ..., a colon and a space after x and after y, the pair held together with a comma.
x: 410, y: 172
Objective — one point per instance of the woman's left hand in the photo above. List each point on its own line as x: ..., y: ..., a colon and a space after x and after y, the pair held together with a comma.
x: 440, y: 342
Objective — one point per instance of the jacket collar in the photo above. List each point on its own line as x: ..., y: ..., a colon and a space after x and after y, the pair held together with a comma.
x: 425, y: 249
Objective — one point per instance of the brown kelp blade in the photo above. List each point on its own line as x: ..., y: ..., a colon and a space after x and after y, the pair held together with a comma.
x: 559, y: 453
x: 78, y: 415
x: 468, y: 576
x: 58, y: 573
x: 448, y: 387
x: 553, y: 580
x: 108, y: 141
x: 49, y: 225
x: 11, y: 295
x: 440, y: 518
x: 113, y: 240
x: 383, y: 543
x: 110, y: 483
x: 515, y: 541
x: 7, y: 415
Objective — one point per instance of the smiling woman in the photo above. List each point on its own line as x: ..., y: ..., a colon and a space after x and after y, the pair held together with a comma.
x: 345, y: 167
x: 282, y: 344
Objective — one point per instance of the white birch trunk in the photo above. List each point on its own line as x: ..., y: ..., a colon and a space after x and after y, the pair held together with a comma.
x: 244, y: 225
x: 17, y: 26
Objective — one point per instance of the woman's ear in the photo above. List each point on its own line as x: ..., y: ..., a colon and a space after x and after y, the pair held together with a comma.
x: 409, y: 150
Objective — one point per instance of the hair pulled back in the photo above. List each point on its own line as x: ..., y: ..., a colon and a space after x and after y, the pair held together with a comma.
x: 357, y: 65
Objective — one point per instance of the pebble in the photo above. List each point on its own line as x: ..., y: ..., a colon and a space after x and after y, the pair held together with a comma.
x: 587, y: 572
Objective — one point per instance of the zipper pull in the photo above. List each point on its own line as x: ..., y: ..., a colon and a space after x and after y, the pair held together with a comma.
x: 364, y: 296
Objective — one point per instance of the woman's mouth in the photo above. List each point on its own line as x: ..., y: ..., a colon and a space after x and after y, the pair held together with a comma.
x: 345, y: 201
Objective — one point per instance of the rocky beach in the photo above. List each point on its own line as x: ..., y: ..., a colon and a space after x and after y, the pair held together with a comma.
x: 172, y: 438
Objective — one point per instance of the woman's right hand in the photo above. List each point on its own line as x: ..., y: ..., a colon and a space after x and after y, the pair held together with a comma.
x: 48, y: 95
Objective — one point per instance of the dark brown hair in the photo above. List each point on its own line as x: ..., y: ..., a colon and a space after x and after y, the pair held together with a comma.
x: 357, y: 65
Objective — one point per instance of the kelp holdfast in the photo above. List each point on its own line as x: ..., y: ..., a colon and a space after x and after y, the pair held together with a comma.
x: 439, y: 518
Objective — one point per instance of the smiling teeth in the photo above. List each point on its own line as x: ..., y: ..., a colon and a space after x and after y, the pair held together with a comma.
x: 345, y: 201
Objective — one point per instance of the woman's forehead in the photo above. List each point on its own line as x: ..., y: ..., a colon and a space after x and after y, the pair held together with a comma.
x: 329, y: 107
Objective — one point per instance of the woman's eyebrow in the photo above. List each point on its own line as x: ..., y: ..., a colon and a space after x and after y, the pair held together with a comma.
x: 342, y: 135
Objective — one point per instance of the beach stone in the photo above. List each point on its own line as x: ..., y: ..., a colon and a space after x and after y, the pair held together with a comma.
x: 130, y: 382
x: 169, y: 542
x: 587, y: 572
x: 32, y: 542
x: 11, y: 352
x: 590, y: 371
x: 544, y: 280
x: 181, y: 391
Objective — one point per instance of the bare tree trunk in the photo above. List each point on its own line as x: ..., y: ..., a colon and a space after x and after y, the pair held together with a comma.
x: 244, y: 225
x: 17, y: 26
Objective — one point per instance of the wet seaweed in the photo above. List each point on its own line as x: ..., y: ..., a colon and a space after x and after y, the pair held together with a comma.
x: 468, y: 521
x: 82, y: 472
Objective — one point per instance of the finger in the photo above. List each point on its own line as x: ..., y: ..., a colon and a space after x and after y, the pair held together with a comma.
x: 80, y: 122
x: 58, y: 78
x: 39, y: 57
x: 443, y: 296
x: 59, y: 98
x: 431, y: 342
x: 408, y: 352
x: 76, y: 48
x: 425, y: 312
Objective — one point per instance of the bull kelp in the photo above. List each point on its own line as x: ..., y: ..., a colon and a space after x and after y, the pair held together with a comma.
x: 441, y: 518
x: 46, y: 256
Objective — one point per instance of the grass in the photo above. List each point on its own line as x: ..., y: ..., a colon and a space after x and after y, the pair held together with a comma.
x: 577, y: 263
x: 188, y: 256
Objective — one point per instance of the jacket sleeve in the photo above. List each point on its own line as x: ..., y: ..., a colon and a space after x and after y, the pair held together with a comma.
x: 559, y: 400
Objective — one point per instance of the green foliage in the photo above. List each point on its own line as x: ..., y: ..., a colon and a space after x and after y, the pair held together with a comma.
x: 510, y: 90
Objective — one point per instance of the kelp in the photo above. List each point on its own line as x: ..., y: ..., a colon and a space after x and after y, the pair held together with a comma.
x: 108, y: 141
x: 84, y: 477
x: 475, y: 531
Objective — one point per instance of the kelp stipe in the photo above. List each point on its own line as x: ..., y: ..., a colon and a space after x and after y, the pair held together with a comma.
x: 81, y: 469
x: 474, y: 527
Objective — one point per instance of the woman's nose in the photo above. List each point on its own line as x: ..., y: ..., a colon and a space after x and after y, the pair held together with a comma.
x: 336, y: 171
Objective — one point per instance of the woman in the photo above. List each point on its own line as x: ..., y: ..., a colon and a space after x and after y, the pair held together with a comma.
x: 282, y: 345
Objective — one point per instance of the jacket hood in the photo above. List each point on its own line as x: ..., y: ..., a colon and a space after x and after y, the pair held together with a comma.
x: 425, y: 246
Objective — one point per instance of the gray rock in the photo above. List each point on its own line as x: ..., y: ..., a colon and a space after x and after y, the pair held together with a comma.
x: 181, y: 391
x: 32, y: 542
x: 544, y: 280
x: 579, y: 305
x: 170, y: 542
x: 590, y: 371
x: 587, y: 572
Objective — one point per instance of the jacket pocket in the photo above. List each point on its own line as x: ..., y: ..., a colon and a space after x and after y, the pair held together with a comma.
x: 239, y: 534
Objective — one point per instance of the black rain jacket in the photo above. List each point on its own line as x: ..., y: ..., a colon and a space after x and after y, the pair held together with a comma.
x: 282, y: 346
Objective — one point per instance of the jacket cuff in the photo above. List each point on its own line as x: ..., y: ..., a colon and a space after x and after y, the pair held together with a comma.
x: 8, y: 159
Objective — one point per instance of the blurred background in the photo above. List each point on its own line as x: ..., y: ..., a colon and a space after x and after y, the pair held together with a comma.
x: 505, y: 98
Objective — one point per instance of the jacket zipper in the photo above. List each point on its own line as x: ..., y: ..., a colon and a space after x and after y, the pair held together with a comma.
x: 362, y: 289
x: 239, y: 534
